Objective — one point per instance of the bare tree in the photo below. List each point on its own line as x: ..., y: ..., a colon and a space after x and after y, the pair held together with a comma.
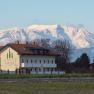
x: 41, y: 42
x: 64, y: 49
x: 45, y: 43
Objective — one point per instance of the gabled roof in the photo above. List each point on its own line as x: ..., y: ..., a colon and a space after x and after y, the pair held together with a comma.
x: 1, y: 47
x: 26, y: 49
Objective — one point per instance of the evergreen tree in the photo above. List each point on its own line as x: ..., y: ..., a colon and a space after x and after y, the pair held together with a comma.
x: 84, y: 60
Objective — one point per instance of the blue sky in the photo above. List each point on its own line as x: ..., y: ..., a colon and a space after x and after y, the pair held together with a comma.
x: 23, y: 13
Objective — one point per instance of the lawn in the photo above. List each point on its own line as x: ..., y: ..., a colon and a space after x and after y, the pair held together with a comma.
x: 30, y: 87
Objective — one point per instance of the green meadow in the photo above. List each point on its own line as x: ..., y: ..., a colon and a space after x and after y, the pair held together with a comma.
x: 30, y: 87
x: 66, y: 75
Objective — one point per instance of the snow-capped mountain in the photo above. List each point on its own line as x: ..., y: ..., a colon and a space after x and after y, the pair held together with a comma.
x: 78, y: 36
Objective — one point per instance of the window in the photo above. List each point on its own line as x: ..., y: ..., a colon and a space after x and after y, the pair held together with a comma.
x: 44, y: 61
x: 39, y: 69
x: 31, y: 60
x: 45, y: 52
x: 48, y: 69
x: 12, y: 55
x: 31, y: 69
x: 40, y: 61
x: 35, y: 51
x: 48, y: 61
x: 35, y: 61
x: 52, y: 61
x: 7, y: 55
x: 27, y: 61
x: 35, y: 69
x: 38, y: 51
x: 22, y: 60
x: 41, y: 51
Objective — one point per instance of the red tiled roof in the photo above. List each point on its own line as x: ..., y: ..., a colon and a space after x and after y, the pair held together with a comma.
x: 1, y: 47
x: 26, y: 49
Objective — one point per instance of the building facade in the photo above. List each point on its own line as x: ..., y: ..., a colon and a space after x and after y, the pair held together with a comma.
x: 24, y: 58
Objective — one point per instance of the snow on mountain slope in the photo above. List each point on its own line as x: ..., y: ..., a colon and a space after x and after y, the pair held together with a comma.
x: 52, y: 32
x: 12, y: 35
x: 78, y: 36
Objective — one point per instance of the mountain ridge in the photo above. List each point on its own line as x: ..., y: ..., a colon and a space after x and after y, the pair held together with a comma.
x: 78, y: 36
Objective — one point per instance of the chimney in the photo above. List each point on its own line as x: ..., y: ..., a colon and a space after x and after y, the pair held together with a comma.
x: 27, y: 42
x: 34, y: 43
x: 18, y: 42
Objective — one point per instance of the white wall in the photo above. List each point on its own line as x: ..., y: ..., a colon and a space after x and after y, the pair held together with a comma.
x: 49, y: 64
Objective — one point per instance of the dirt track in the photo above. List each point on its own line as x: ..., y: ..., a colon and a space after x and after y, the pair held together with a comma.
x: 85, y: 79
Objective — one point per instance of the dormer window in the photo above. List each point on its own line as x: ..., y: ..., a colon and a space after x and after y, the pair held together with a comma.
x: 38, y: 51
x: 34, y: 51
x: 41, y: 51
x: 45, y: 51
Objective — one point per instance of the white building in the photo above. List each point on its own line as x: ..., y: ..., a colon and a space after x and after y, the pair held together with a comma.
x: 27, y: 59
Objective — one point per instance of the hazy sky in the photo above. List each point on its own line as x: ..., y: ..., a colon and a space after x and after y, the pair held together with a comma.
x: 27, y: 12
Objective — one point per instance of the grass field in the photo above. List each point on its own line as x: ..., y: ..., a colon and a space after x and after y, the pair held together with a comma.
x: 67, y: 75
x: 29, y: 87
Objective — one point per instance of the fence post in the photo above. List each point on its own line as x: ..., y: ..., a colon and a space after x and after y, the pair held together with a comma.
x: 1, y: 71
x: 8, y: 71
